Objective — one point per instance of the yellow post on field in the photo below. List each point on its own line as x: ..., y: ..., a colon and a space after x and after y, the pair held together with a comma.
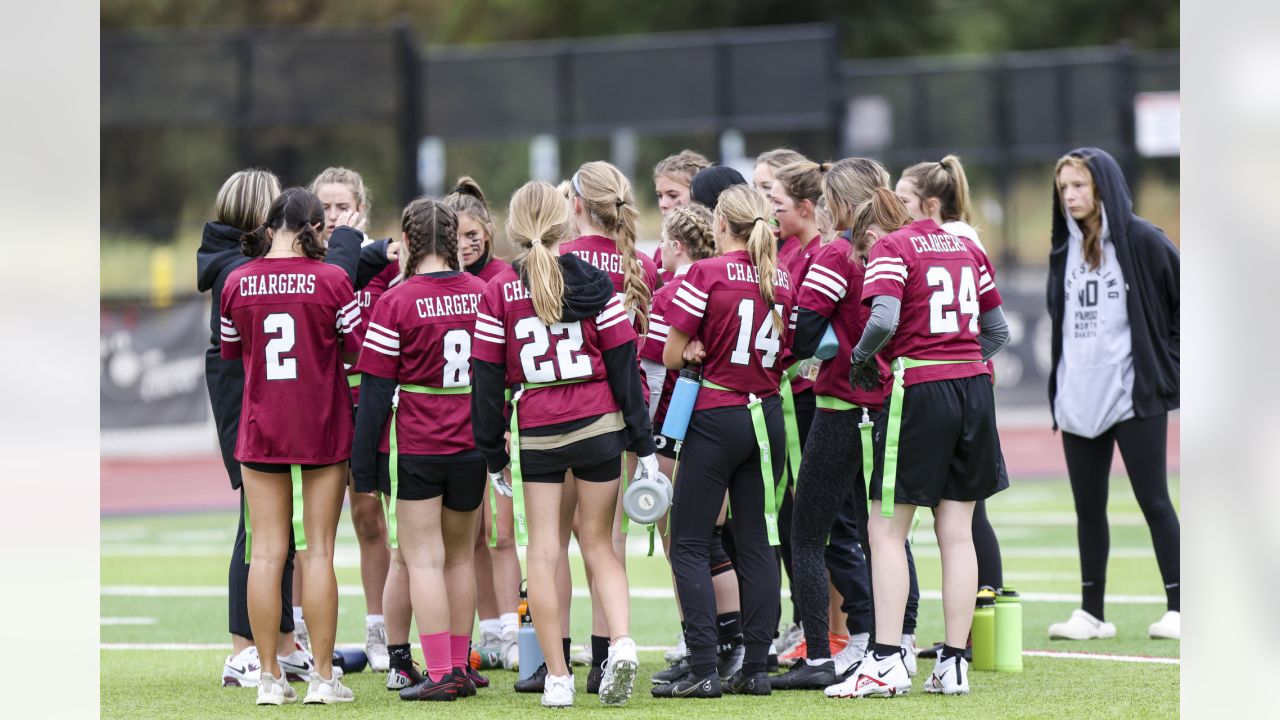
x: 162, y: 276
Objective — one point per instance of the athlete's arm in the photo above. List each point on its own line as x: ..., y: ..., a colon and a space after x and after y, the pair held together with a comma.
x: 881, y: 326
x: 487, y: 422
x: 624, y: 383
x: 673, y: 351
x: 371, y: 416
x: 655, y: 374
x: 993, y: 332
x: 810, y: 325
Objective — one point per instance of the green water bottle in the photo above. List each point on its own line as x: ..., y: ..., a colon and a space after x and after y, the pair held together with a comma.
x: 984, y: 630
x: 1008, y: 631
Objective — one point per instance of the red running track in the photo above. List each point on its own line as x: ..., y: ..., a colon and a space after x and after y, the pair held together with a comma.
x: 131, y: 486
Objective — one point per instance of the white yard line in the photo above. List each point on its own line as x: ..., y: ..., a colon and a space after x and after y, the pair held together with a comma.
x: 1100, y: 656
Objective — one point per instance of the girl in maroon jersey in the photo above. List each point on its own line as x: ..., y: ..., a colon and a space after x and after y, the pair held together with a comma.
x: 497, y: 568
x: 672, y: 177
x: 347, y: 202
x: 770, y: 162
x: 290, y: 317
x: 737, y: 305
x: 420, y: 337
x: 553, y: 331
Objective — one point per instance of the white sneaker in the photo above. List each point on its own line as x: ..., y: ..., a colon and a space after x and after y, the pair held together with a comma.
x: 1081, y: 626
x: 851, y: 654
x: 619, y: 672
x: 909, y: 644
x: 678, y: 652
x: 1168, y: 627
x: 327, y: 692
x: 950, y: 676
x: 510, y: 650
x: 874, y: 678
x: 297, y: 665
x: 582, y: 657
x: 375, y: 647
x: 789, y: 639
x: 557, y: 691
x: 243, y: 669
x: 300, y: 634
x: 275, y: 691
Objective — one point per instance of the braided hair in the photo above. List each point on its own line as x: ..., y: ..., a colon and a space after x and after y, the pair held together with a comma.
x: 691, y: 225
x: 430, y: 228
x: 606, y: 193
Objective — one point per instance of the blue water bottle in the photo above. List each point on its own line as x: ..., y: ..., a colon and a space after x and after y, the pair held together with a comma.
x: 527, y: 639
x: 829, y: 345
x: 680, y: 408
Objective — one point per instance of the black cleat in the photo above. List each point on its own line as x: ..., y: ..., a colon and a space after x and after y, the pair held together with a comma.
x: 803, y: 676
x: 771, y: 663
x: 466, y: 688
x: 535, y: 682
x: 690, y: 686
x: 675, y: 671
x: 399, y: 677
x: 754, y: 684
x: 593, y: 679
x: 445, y: 688
x: 480, y: 681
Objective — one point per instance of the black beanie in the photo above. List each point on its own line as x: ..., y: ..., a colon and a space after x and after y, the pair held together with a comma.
x: 710, y: 182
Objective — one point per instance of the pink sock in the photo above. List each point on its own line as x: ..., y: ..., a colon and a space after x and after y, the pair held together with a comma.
x: 460, y: 650
x: 435, y: 648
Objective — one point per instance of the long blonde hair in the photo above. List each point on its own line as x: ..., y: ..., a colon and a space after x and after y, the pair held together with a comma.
x: 849, y: 183
x: 606, y: 194
x: 944, y: 180
x: 537, y: 219
x: 745, y: 214
x: 1090, y: 227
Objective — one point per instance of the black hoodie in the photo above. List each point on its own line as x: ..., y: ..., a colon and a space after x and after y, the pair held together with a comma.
x: 586, y: 291
x: 1150, y: 264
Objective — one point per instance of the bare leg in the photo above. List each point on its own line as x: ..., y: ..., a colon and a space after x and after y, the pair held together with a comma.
x: 506, y: 564
x: 596, y: 503
x: 542, y: 504
x: 457, y: 530
x: 375, y: 559
x: 398, y: 610
x: 423, y: 551
x: 322, y: 492
x: 486, y: 597
x: 270, y: 497
x: 890, y: 581
x: 953, y: 525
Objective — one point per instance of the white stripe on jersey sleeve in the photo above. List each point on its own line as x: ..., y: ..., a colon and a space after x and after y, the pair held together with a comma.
x: 349, y: 321
x: 834, y: 280
x: 229, y: 332
x: 379, y: 348
x: 696, y: 292
x: 376, y: 335
x: 482, y: 326
x: 686, y: 294
x: 874, y: 276
x: 385, y: 331
x: 347, y: 308
x: 818, y: 288
x: 612, y: 311
x: 486, y: 337
x: 880, y: 260
x: 895, y: 269
x: 685, y: 307
x: 819, y: 281
x: 491, y: 320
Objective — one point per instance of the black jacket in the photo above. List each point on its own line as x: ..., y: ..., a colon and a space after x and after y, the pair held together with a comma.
x: 1150, y: 265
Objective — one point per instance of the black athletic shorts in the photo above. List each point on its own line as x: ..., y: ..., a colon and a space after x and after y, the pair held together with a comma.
x: 595, y: 459
x: 277, y: 468
x: 423, y: 477
x: 948, y: 448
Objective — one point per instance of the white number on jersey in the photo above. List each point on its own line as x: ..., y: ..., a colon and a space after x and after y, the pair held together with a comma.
x: 942, y: 320
x: 280, y: 368
x: 457, y: 358
x: 767, y: 339
x: 569, y: 363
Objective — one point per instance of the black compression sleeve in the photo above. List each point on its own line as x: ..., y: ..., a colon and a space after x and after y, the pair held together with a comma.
x: 487, y: 420
x: 371, y: 417
x: 344, y: 251
x: 810, y: 325
x: 624, y: 381
x: 373, y: 260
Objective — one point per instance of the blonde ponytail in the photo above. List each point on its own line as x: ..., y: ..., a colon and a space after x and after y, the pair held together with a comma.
x: 607, y: 195
x: 744, y: 211
x: 537, y: 221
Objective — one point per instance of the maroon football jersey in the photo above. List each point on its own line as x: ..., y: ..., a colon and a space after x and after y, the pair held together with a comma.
x: 290, y: 319
x: 656, y: 339
x: 833, y: 289
x: 602, y: 252
x: 719, y: 302
x: 493, y: 268
x: 944, y: 283
x: 368, y: 298
x: 796, y: 257
x: 420, y: 334
x: 509, y: 331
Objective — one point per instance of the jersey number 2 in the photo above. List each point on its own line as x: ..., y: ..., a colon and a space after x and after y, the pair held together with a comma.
x: 278, y: 366
x: 942, y: 320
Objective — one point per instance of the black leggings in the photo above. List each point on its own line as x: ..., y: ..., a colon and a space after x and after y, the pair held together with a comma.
x: 806, y: 406
x: 238, y: 587
x: 987, y: 547
x: 719, y: 454
x: 1142, y: 442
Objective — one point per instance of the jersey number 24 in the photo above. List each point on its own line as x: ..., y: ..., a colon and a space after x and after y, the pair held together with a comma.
x: 942, y: 319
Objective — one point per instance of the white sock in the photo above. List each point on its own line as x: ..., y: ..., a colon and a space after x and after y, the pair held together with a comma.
x: 908, y: 641
x: 297, y: 613
x: 491, y: 625
x: 509, y: 621
x: 371, y: 620
x: 860, y: 639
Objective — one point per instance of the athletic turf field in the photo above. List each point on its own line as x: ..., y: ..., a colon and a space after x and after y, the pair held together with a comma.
x: 164, y: 632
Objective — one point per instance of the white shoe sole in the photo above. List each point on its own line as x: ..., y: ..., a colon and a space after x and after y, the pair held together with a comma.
x: 1162, y: 636
x: 277, y: 700
x: 624, y: 677
x: 325, y: 700
x: 234, y: 681
x: 547, y: 704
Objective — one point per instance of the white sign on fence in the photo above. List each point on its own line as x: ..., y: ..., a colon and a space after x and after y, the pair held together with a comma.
x: 1157, y: 123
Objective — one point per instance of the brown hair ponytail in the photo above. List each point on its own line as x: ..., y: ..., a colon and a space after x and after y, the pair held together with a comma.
x: 744, y: 211
x: 884, y: 210
x: 296, y: 210
x: 606, y: 193
x: 850, y: 182
x: 430, y: 228
x: 467, y: 198
x: 537, y: 220
x: 944, y: 180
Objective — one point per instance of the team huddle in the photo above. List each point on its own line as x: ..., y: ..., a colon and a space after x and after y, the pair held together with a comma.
x: 803, y: 362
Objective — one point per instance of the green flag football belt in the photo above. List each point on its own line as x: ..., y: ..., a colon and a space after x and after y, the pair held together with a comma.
x: 791, y: 467
x: 354, y: 380
x: 893, y: 432
x: 393, y: 461
x: 771, y: 493
x: 299, y: 533
x: 517, y: 473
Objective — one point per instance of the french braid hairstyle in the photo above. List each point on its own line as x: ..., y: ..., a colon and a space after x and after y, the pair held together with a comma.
x: 691, y: 225
x: 745, y: 213
x: 607, y: 195
x: 430, y: 228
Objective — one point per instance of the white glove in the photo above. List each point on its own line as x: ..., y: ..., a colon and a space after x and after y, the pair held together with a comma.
x: 647, y: 466
x: 500, y: 484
